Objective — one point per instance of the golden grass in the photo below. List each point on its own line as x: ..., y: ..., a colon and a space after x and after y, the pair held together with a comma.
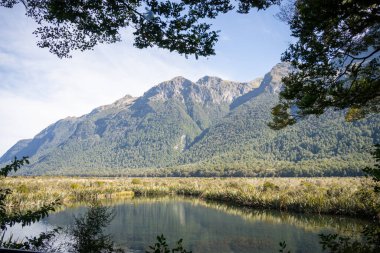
x: 343, y: 196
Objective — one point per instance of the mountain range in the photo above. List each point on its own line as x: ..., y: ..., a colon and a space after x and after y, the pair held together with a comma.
x: 211, y: 127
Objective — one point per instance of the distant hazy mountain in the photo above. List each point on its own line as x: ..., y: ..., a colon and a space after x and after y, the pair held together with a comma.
x: 210, y: 127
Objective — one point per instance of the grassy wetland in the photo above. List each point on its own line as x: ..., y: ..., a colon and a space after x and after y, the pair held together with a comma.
x: 338, y: 196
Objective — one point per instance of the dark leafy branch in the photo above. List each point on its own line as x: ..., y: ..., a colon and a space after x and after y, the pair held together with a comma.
x: 161, y: 246
x: 336, y: 60
x: 29, y: 217
x: 66, y: 25
x: 24, y: 217
x: 14, y: 166
x: 42, y: 242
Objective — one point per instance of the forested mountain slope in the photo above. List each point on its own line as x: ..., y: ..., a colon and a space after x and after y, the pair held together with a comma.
x: 210, y: 127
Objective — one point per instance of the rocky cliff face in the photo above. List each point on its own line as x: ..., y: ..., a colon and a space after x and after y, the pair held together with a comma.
x: 121, y: 103
x: 215, y: 90
x: 272, y: 80
x: 207, y: 90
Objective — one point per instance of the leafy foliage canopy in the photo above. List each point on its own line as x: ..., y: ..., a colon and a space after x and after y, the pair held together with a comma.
x: 66, y: 25
x: 336, y: 60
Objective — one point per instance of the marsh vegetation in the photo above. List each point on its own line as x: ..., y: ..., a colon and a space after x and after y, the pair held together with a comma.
x: 342, y: 196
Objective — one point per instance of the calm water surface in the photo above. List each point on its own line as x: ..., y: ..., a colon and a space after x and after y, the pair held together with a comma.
x: 207, y: 227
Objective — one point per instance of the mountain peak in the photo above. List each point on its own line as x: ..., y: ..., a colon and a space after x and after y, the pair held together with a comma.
x: 209, y: 80
x: 178, y: 78
x: 126, y: 100
x: 122, y: 102
x: 272, y: 80
x: 168, y: 89
x: 176, y: 82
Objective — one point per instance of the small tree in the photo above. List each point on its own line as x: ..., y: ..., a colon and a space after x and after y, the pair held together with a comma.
x: 88, y: 231
x: 25, y: 218
x: 161, y: 246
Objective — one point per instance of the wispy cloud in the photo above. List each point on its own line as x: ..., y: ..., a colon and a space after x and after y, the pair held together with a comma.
x: 37, y: 88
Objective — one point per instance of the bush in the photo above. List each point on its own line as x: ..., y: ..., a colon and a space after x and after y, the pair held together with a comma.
x: 270, y: 186
x: 136, y: 181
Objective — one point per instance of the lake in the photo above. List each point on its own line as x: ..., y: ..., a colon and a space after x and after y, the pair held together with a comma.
x: 206, y: 226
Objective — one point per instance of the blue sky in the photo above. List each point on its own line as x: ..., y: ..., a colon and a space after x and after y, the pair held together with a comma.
x: 37, y: 88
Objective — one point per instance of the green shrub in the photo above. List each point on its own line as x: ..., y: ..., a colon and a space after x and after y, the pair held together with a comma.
x: 136, y: 181
x: 75, y: 186
x: 270, y: 186
x: 23, y: 189
x: 99, y: 183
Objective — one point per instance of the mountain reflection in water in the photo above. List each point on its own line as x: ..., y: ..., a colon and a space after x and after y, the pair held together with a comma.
x: 209, y: 226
